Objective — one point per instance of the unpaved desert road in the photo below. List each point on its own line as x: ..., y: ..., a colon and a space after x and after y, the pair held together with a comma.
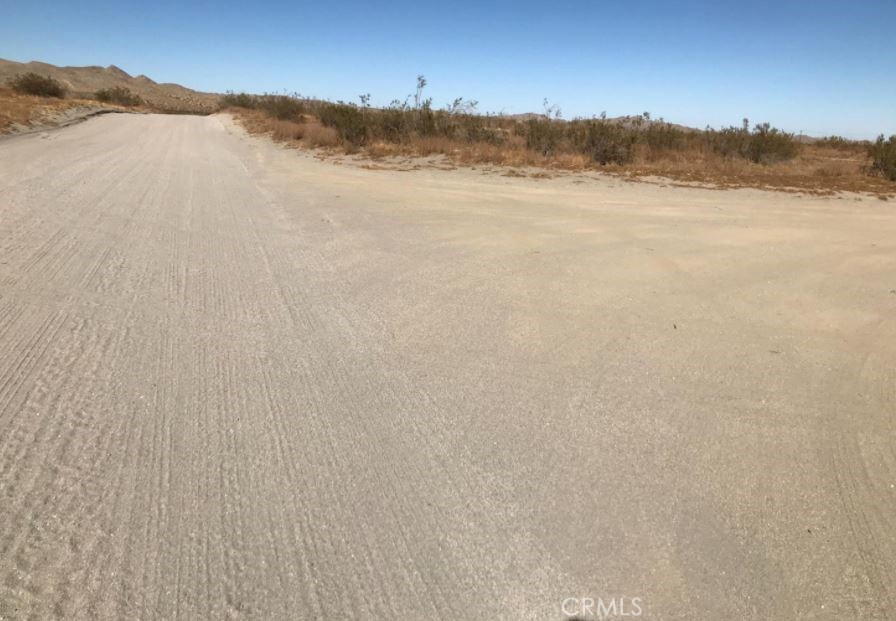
x: 240, y: 383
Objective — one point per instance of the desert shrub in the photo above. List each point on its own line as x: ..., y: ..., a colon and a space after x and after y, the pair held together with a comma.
x: 883, y: 157
x: 663, y: 136
x: 399, y: 123
x: 839, y: 143
x: 34, y: 84
x: 425, y: 122
x: 605, y: 142
x: 283, y: 107
x: 348, y: 121
x: 446, y: 125
x: 764, y: 145
x: 394, y: 124
x: 317, y: 135
x: 476, y: 128
x: 730, y: 141
x: 238, y: 100
x: 119, y: 95
x: 600, y: 140
x: 287, y: 130
x: 769, y: 145
x: 182, y: 108
x: 544, y: 136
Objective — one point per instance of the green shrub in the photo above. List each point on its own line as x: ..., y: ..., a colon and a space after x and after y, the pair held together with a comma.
x: 605, y: 142
x: 764, y: 145
x: 393, y: 124
x: 283, y: 107
x: 348, y: 121
x: 840, y: 143
x: 730, y: 141
x: 119, y: 95
x: 663, y: 136
x: 424, y: 120
x: 476, y: 128
x: 238, y: 100
x: 34, y: 84
x: 883, y: 157
x: 185, y: 109
x: 769, y: 145
x: 544, y: 136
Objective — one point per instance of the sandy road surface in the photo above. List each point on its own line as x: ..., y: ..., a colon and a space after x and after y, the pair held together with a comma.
x: 238, y: 383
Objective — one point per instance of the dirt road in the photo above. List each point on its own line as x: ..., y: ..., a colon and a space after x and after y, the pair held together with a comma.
x: 240, y: 383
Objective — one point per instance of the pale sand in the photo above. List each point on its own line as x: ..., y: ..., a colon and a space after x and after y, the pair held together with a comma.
x: 239, y: 383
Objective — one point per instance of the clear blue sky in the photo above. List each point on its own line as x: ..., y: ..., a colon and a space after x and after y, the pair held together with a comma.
x: 819, y: 66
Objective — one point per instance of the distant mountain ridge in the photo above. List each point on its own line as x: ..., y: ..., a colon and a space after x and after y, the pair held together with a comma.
x: 84, y: 81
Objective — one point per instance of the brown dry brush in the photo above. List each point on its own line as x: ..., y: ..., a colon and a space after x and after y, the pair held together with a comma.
x: 118, y: 95
x: 883, y: 157
x: 35, y: 84
x: 603, y: 141
x: 758, y: 155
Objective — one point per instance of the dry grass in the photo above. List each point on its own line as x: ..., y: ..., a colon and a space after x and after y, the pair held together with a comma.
x: 26, y: 109
x: 513, y: 153
x: 287, y: 130
x: 36, y: 92
x: 816, y: 169
x: 821, y: 169
x: 16, y: 108
x: 316, y: 135
x: 307, y: 132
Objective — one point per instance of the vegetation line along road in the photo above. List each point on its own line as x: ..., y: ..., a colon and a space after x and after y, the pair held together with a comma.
x: 755, y: 155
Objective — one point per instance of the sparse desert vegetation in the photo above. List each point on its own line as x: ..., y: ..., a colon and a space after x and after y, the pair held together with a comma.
x: 883, y: 157
x: 41, y: 95
x: 747, y: 154
x: 18, y: 110
x: 119, y: 95
x: 33, y: 84
x: 110, y: 85
x: 756, y: 155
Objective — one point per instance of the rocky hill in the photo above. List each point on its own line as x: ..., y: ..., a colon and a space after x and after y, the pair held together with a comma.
x: 82, y: 82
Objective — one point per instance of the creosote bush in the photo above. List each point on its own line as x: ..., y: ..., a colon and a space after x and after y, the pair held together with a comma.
x: 764, y: 145
x: 34, y: 84
x: 883, y: 157
x: 401, y: 123
x: 348, y: 121
x: 238, y: 100
x: 544, y: 135
x: 118, y: 95
x: 283, y: 107
x: 841, y: 144
x: 604, y: 142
